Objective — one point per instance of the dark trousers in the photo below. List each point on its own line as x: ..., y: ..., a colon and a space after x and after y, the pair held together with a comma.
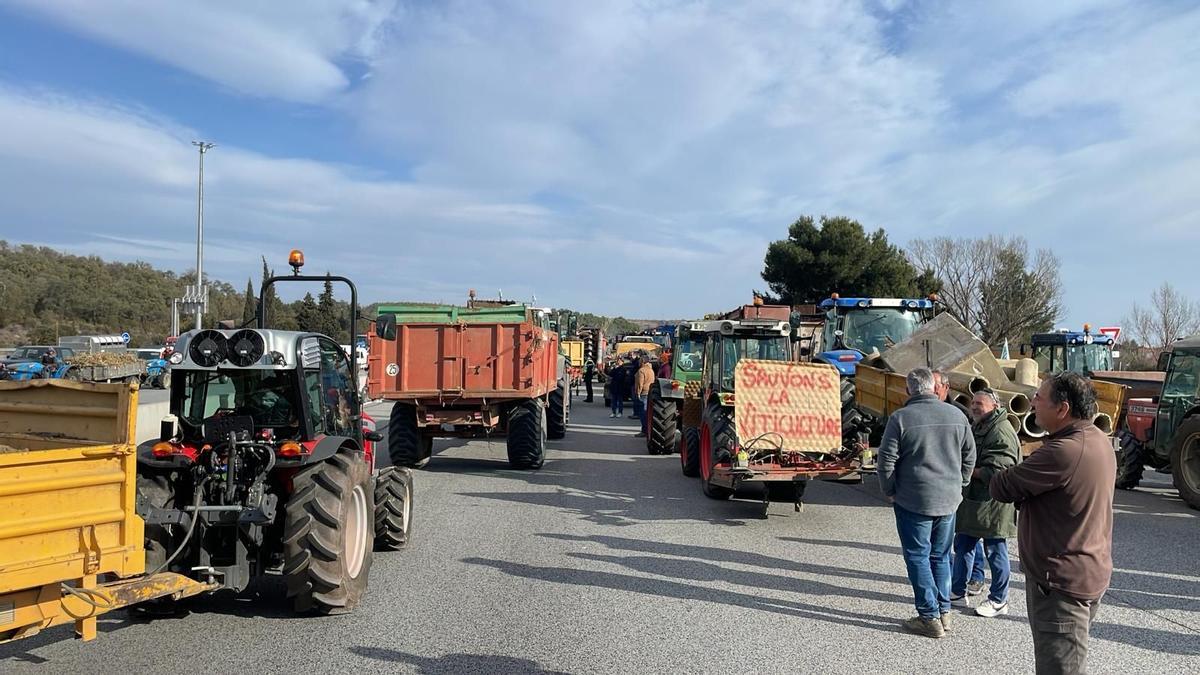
x: 1060, y: 626
x: 587, y: 382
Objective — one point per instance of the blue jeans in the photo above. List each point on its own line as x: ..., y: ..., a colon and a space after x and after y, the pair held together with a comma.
x: 965, y: 553
x: 925, y: 541
x: 977, y: 568
x: 639, y: 409
x: 616, y: 401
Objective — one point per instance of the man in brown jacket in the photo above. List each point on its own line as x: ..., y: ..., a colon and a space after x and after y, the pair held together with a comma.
x: 1064, y: 491
x: 641, y: 391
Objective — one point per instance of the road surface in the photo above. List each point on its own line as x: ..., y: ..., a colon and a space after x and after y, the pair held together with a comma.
x: 609, y: 560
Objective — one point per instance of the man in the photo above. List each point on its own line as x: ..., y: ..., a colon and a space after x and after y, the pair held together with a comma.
x: 979, y: 517
x: 589, y: 371
x: 641, y: 393
x: 1064, y: 491
x: 925, y: 459
x: 941, y: 389
x: 617, y: 385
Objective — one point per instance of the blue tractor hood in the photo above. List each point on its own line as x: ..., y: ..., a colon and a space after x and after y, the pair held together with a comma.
x: 845, y: 360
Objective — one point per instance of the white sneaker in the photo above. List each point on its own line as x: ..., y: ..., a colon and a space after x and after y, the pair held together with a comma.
x: 990, y: 608
x: 611, y: 415
x: 959, y: 601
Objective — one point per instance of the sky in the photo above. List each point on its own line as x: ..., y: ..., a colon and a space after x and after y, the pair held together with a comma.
x: 619, y: 157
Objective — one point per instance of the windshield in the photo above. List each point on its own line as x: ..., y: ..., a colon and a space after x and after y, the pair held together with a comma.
x: 268, y: 396
x: 877, y: 329
x: 689, y: 356
x: 1182, y: 376
x: 149, y: 354
x: 1087, y: 358
x: 772, y: 348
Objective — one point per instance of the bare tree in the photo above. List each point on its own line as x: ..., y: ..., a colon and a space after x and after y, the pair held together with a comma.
x: 986, y: 286
x: 1167, y: 317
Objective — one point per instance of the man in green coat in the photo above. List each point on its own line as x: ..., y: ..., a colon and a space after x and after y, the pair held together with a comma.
x: 981, y: 517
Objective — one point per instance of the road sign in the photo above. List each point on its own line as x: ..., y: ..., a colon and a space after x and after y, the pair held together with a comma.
x: 1112, y: 331
x: 125, y: 337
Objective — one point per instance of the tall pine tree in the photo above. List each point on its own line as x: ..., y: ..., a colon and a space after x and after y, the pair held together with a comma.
x: 328, y: 311
x: 249, y: 307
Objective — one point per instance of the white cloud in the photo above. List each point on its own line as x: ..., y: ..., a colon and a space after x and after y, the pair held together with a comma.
x: 578, y: 150
x: 281, y: 50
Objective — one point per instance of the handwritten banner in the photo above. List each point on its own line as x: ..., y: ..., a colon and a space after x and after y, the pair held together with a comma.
x: 800, y: 402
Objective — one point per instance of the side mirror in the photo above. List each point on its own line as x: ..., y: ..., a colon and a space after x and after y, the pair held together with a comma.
x: 385, y: 327
x: 373, y: 436
x: 1164, y: 359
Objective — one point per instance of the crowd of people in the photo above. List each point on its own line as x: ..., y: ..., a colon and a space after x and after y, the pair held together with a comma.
x: 628, y: 375
x: 960, y: 490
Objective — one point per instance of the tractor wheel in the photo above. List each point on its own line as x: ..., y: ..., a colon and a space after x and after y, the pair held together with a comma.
x: 393, y: 508
x: 407, y: 446
x: 328, y: 529
x: 717, y: 438
x: 1185, y: 461
x: 527, y: 435
x: 133, y: 379
x: 73, y: 375
x: 661, y: 422
x: 154, y: 490
x: 164, y: 380
x: 1129, y: 462
x: 689, y: 452
x: 556, y: 413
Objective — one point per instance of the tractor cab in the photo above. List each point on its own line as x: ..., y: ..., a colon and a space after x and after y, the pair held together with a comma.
x: 1074, y: 351
x: 856, y: 327
x: 728, y: 341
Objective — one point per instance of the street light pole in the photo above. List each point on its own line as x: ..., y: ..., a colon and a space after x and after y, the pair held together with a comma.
x: 204, y: 147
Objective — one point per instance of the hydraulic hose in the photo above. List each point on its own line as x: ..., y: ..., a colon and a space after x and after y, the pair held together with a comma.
x: 191, y: 527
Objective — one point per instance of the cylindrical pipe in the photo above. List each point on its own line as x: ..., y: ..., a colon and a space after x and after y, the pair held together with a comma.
x: 1104, y: 422
x: 1016, y: 402
x: 1015, y: 421
x: 968, y: 382
x: 1031, y: 427
x: 1027, y: 373
x: 1010, y: 372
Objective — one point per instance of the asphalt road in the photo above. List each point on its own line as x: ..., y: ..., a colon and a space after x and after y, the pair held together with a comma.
x: 609, y: 560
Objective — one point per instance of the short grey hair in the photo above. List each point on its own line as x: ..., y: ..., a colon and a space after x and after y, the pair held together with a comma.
x: 920, y: 381
x: 940, y: 375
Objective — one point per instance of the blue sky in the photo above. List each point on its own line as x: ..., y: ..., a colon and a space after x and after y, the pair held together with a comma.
x: 623, y: 157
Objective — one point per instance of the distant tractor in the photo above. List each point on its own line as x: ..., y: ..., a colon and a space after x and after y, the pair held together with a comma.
x: 1078, y: 352
x: 676, y: 397
x: 1164, y: 431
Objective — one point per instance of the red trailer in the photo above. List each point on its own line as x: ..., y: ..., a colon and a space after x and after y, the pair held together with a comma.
x: 468, y: 372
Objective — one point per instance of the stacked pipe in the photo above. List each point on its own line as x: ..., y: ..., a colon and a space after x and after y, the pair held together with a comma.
x: 1015, y: 394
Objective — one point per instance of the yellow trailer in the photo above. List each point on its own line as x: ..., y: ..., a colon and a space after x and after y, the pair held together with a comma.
x: 71, y: 545
x: 574, y: 352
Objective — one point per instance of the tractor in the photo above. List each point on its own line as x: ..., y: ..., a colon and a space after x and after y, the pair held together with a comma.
x: 1082, y: 353
x: 1164, y: 431
x: 706, y: 441
x: 674, y: 398
x: 857, y: 328
x: 264, y: 465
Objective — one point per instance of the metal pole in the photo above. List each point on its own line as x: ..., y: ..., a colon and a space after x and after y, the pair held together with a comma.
x: 204, y: 147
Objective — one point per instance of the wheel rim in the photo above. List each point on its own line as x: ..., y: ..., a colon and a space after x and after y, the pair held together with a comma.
x: 1189, y: 462
x: 705, y: 453
x: 356, y: 531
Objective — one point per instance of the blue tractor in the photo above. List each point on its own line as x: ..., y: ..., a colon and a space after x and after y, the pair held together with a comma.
x: 859, y: 327
x: 32, y: 362
x: 1078, y: 352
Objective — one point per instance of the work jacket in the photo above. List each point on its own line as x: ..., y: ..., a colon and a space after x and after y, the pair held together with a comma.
x: 996, y: 449
x: 643, y: 379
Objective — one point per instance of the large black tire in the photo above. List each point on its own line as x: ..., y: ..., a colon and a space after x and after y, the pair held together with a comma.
x: 73, y: 375
x: 689, y: 452
x: 407, y: 446
x: 328, y: 530
x: 527, y: 435
x: 1130, y: 461
x: 1185, y: 461
x: 154, y: 490
x: 722, y: 437
x: 662, y: 419
x: 557, y: 413
x: 393, y: 508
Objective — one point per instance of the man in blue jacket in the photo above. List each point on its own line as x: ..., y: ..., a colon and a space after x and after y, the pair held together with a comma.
x: 925, y: 460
